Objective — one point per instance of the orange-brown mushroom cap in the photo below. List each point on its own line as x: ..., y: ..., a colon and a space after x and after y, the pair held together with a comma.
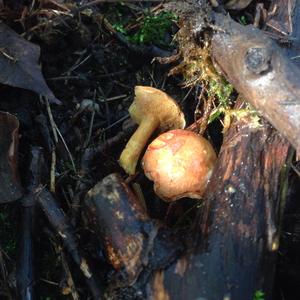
x: 154, y: 102
x: 152, y: 109
x: 180, y: 163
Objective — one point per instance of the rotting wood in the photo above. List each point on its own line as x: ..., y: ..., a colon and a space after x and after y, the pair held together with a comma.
x: 134, y: 244
x: 237, y: 236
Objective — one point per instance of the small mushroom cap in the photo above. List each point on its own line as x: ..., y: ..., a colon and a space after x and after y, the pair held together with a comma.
x: 180, y: 163
x: 151, y: 102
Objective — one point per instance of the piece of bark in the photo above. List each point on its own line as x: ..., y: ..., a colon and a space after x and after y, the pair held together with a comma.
x: 261, y: 73
x: 35, y: 175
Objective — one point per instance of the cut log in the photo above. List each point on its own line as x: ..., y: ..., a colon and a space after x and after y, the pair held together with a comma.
x: 120, y: 222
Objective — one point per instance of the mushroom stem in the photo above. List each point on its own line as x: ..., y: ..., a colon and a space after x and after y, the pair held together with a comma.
x: 130, y: 155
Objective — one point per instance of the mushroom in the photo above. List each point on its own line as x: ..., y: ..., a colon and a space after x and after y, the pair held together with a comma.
x: 180, y: 163
x: 151, y: 109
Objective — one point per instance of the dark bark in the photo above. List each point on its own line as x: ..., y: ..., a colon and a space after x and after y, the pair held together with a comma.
x: 25, y: 263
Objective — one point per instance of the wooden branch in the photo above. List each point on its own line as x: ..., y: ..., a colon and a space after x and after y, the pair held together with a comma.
x: 120, y: 220
x: 259, y: 70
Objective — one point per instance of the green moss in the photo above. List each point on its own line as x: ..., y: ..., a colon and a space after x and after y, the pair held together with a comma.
x: 221, y: 90
x: 259, y: 295
x: 243, y: 20
x: 152, y: 29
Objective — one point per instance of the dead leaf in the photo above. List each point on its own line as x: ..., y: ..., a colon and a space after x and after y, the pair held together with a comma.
x: 19, y: 65
x: 10, y: 187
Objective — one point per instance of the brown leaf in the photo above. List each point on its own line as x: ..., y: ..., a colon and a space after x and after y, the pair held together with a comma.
x: 10, y: 188
x: 19, y: 64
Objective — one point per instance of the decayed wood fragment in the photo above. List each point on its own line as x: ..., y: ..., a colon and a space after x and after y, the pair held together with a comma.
x: 120, y: 221
x: 134, y: 244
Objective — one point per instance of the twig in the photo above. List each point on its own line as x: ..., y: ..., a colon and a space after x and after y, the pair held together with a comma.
x: 115, y: 123
x: 52, y: 170
x: 53, y: 150
x: 52, y: 123
x: 90, y: 153
x: 187, y: 94
x: 70, y: 280
x: 95, y: 2
x: 77, y: 64
x: 91, y: 124
x: 56, y: 133
x: 114, y: 98
x: 67, y: 149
